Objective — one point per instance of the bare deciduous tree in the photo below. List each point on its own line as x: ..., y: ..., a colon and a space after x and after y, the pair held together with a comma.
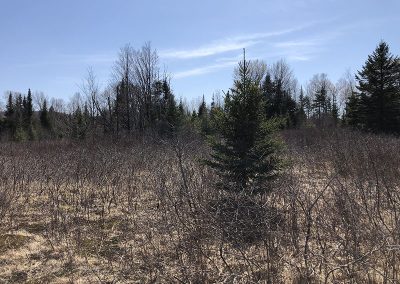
x: 90, y: 88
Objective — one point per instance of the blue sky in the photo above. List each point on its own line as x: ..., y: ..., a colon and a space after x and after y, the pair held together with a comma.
x: 48, y: 45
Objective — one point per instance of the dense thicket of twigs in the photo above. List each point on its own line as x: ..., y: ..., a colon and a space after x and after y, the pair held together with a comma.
x: 148, y: 212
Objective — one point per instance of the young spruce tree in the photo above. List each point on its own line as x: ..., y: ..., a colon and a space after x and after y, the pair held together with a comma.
x: 246, y: 156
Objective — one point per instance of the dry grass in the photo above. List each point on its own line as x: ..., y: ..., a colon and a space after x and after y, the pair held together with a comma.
x: 130, y: 213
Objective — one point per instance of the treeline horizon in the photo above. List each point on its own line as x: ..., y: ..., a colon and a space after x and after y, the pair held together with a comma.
x: 140, y: 99
x: 267, y: 186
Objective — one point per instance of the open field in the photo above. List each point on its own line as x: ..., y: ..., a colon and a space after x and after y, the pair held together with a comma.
x: 135, y: 212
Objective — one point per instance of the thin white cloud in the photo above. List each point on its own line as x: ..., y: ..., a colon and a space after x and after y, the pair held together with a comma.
x: 215, y: 48
x: 226, y: 44
x: 235, y: 58
x: 305, y: 49
x: 299, y: 50
x: 300, y: 57
x: 204, y: 70
x: 296, y: 44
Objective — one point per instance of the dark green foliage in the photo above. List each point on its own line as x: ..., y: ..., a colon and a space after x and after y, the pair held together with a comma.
x: 181, y: 108
x: 123, y: 105
x: 169, y: 108
x: 132, y: 104
x: 44, y: 116
x: 354, y: 115
x: 10, y: 111
x: 80, y: 122
x: 128, y: 113
x: 335, y: 111
x: 19, y: 133
x: 321, y: 103
x: 202, y: 108
x: 245, y: 157
x: 27, y: 114
x: 27, y: 109
x: 215, y: 119
x: 307, y: 106
x: 301, y: 116
x: 203, y: 121
x: 3, y: 127
x: 18, y: 117
x: 194, y: 116
x: 169, y: 117
x: 29, y: 106
x: 323, y: 109
x: 279, y: 102
x: 377, y: 105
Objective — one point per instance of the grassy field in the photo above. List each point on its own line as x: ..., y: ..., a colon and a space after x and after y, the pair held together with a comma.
x: 148, y: 211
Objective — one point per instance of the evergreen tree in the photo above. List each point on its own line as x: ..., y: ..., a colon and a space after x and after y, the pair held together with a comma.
x: 307, y: 106
x: 169, y: 117
x: 9, y: 113
x: 29, y: 106
x: 321, y: 103
x: 204, y: 118
x: 19, y: 132
x: 277, y: 95
x: 212, y: 102
x: 172, y: 112
x: 27, y: 113
x: 378, y: 84
x: 335, y: 110
x: 24, y: 107
x: 301, y: 114
x: 194, y: 116
x: 202, y: 108
x: 122, y: 109
x: 19, y: 108
x: 181, y: 109
x: 246, y: 157
x: 216, y: 113
x: 44, y: 116
x: 79, y: 124
x: 301, y: 99
x: 353, y: 114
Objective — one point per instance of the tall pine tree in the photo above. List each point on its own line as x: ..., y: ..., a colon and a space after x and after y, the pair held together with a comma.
x: 321, y: 102
x: 378, y: 84
x: 9, y: 114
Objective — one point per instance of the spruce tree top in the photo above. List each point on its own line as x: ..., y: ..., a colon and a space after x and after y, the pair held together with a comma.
x: 379, y: 86
x: 380, y: 72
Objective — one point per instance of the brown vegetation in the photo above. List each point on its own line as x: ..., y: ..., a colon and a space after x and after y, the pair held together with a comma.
x: 148, y: 212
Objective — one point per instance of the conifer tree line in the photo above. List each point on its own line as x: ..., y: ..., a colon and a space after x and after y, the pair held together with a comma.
x: 140, y: 98
x: 370, y: 100
x: 18, y: 116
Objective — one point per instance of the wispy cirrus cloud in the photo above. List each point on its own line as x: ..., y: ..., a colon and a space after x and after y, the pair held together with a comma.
x: 298, y: 50
x: 304, y: 49
x: 204, y: 69
x: 296, y: 44
x: 208, y: 50
x: 226, y: 44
